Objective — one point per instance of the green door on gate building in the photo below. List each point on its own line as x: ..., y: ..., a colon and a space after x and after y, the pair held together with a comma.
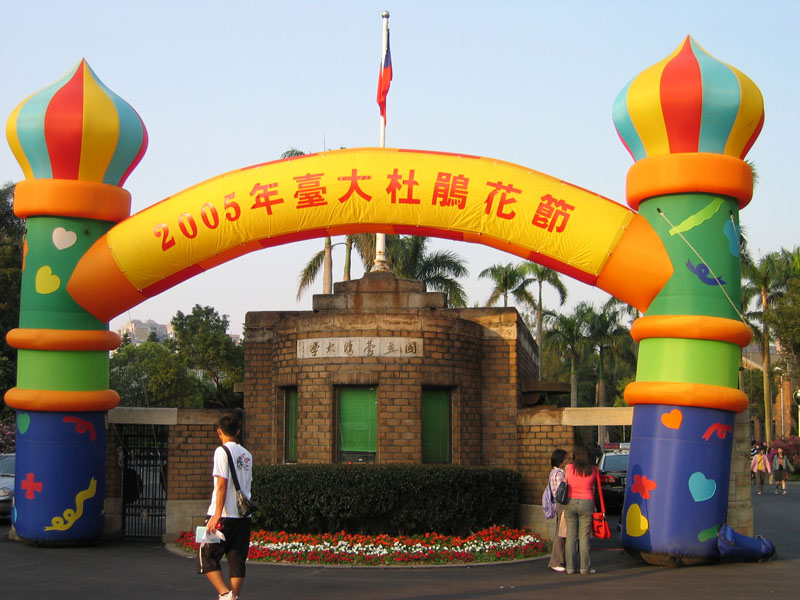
x: 357, y: 424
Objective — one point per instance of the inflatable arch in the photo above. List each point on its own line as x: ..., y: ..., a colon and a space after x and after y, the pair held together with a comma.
x: 688, y: 122
x: 465, y: 198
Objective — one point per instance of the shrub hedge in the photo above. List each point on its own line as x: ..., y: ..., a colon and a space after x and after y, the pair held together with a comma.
x: 391, y: 499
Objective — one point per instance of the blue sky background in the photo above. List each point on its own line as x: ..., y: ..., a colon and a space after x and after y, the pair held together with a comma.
x: 226, y: 84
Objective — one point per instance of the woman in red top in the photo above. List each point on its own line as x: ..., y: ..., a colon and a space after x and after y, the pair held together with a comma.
x: 581, y: 482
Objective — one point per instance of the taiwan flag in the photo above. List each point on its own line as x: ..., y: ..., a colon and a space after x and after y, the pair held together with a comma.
x: 384, y: 78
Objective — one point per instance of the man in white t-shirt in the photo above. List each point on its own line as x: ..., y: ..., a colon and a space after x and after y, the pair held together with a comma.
x: 223, y: 513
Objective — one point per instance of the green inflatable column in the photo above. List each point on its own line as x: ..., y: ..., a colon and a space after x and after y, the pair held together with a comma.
x: 688, y: 121
x: 77, y: 142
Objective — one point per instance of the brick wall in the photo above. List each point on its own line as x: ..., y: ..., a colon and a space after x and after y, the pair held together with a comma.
x: 191, y: 449
x: 502, y: 370
x: 536, y: 444
x: 451, y: 358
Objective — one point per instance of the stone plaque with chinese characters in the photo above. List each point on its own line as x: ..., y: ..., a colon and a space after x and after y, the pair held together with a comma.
x: 359, y: 347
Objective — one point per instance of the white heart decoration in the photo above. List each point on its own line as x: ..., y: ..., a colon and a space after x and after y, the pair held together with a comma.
x: 63, y: 239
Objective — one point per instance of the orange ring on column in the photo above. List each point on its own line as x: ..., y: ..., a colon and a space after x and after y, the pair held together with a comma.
x: 692, y: 327
x: 679, y: 393
x: 687, y: 173
x: 62, y: 339
x: 61, y: 401
x: 71, y: 198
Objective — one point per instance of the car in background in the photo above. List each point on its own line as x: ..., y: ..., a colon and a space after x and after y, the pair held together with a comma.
x: 613, y: 468
x: 7, y: 465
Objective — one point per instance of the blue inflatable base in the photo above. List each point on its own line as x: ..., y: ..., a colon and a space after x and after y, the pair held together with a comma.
x: 732, y: 546
x: 741, y: 547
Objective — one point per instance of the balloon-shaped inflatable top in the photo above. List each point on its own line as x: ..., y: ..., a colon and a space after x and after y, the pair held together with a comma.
x: 79, y: 129
x: 689, y: 102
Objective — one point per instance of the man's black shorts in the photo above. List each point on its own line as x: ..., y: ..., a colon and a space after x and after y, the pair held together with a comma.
x: 235, y: 546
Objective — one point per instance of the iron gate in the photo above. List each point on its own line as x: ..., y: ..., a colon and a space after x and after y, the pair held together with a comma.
x: 144, y: 480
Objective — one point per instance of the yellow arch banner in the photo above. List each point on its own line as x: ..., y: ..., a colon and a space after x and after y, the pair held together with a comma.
x: 460, y: 197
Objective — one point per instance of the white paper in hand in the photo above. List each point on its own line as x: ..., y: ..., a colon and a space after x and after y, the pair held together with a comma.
x: 203, y: 536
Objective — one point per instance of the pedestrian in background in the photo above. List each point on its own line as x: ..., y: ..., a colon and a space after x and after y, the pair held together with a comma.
x: 780, y: 470
x: 582, y: 481
x: 760, y: 468
x: 557, y: 561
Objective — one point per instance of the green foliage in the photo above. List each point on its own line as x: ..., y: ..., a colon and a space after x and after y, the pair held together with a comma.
x: 150, y: 374
x: 197, y: 369
x: 409, y: 258
x: 8, y: 431
x: 784, y: 320
x: 753, y: 386
x: 509, y: 280
x: 202, y: 341
x: 12, y: 231
x: 393, y: 499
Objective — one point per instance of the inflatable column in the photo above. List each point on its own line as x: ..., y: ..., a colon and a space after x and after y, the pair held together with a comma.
x: 688, y: 121
x: 77, y: 142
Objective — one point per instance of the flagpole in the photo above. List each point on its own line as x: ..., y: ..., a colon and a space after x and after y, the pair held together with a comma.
x: 380, y: 263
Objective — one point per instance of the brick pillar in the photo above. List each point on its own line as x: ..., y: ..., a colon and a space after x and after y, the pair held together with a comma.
x: 740, y: 507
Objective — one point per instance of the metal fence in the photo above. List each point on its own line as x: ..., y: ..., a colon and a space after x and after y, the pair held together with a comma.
x: 144, y: 480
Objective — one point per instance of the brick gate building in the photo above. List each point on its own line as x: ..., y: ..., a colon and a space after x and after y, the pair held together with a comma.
x: 382, y: 372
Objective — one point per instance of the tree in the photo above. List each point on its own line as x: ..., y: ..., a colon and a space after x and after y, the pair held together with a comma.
x: 765, y: 280
x: 753, y: 386
x: 364, y: 244
x: 784, y: 320
x: 509, y: 280
x: 542, y: 275
x: 567, y: 333
x: 12, y: 230
x: 409, y: 258
x: 309, y: 273
x: 202, y: 341
x: 152, y: 375
x: 604, y: 332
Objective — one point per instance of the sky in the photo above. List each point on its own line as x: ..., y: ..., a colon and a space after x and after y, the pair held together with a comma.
x: 222, y: 85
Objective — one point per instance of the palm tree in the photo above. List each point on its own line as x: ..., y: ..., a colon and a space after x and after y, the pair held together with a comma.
x: 604, y: 329
x: 765, y: 280
x: 508, y: 279
x: 542, y: 275
x: 310, y: 271
x: 364, y: 244
x: 567, y: 334
x: 409, y: 258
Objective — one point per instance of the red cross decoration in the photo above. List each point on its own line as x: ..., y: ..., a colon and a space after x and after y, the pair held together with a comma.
x: 30, y: 486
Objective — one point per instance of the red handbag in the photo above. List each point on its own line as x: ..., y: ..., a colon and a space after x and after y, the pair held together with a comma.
x: 600, y: 527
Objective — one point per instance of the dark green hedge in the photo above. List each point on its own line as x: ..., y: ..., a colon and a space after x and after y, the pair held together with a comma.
x: 392, y: 499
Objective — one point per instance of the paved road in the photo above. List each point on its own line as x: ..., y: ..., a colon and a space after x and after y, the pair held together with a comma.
x: 136, y: 570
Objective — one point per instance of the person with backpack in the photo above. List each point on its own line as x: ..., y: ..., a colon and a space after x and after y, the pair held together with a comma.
x: 557, y: 461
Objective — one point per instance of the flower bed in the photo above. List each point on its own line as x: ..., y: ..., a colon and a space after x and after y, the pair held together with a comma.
x: 494, y: 544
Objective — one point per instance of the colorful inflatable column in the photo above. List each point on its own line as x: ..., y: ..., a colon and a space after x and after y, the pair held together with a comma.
x: 77, y: 142
x: 688, y: 121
